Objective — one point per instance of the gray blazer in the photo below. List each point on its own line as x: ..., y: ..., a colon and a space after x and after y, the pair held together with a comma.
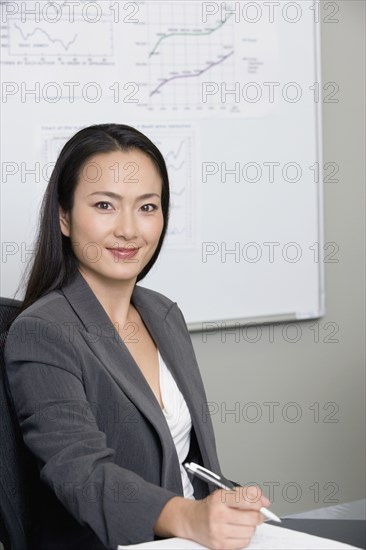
x: 107, y: 462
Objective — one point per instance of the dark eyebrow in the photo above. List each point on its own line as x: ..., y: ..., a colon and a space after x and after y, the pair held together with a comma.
x: 119, y: 197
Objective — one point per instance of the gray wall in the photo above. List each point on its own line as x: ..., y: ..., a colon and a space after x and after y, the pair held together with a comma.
x: 312, y: 462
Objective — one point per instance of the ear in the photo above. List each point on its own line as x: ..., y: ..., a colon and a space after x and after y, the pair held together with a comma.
x: 64, y: 222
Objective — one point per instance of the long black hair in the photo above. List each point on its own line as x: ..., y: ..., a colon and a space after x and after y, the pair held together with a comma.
x: 54, y: 263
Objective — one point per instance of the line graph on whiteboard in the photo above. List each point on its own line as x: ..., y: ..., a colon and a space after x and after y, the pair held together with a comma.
x: 177, y: 53
x: 181, y: 52
x: 178, y: 143
x: 33, y: 35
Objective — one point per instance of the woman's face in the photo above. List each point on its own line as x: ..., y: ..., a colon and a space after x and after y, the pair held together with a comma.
x: 116, y: 220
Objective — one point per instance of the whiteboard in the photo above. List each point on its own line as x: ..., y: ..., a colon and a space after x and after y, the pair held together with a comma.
x: 231, y: 94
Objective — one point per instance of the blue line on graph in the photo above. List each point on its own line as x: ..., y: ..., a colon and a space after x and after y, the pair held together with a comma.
x: 176, y: 167
x: 198, y: 73
x: 175, y: 155
x: 200, y: 33
x: 175, y: 231
x: 25, y: 37
x: 179, y: 193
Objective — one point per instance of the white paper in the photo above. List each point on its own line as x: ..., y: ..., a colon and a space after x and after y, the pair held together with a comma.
x: 267, y: 537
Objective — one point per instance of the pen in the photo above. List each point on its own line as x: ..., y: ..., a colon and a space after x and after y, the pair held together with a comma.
x: 210, y: 477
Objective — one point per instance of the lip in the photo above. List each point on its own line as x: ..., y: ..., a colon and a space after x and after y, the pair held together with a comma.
x: 123, y: 253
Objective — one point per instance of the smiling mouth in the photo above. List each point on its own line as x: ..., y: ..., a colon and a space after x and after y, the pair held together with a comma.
x: 123, y: 253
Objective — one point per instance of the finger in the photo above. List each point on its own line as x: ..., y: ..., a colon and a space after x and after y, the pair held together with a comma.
x: 244, y: 518
x: 244, y: 498
x: 240, y: 532
x: 238, y: 536
x: 252, y: 493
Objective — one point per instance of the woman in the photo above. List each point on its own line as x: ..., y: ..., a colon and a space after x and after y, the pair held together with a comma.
x: 102, y: 371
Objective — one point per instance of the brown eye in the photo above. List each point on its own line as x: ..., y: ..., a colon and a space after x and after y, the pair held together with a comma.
x: 104, y: 205
x: 149, y: 207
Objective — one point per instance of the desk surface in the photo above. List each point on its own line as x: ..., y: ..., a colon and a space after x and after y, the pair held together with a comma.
x: 342, y: 522
x: 347, y: 510
x: 349, y: 531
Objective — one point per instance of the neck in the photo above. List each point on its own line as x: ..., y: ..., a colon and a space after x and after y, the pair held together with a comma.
x: 115, y: 296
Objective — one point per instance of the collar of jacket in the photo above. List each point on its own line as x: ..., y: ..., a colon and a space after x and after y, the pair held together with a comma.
x: 164, y: 322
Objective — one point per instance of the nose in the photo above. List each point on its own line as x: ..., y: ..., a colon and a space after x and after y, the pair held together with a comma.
x: 126, y: 226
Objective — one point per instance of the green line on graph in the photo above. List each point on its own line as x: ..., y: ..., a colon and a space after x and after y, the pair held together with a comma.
x: 210, y: 31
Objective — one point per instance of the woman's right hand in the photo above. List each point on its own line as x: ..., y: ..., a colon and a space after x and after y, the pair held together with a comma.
x: 227, y: 519
x: 224, y: 520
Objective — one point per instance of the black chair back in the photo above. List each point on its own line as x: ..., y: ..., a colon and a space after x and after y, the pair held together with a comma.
x: 17, y: 466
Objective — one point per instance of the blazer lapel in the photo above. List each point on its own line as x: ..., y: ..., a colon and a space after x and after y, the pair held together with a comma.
x: 180, y: 359
x: 109, y: 347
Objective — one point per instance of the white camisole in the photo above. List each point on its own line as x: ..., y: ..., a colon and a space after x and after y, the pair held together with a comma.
x: 178, y: 418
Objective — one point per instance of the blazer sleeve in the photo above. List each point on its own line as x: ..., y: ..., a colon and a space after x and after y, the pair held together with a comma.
x: 74, y: 460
